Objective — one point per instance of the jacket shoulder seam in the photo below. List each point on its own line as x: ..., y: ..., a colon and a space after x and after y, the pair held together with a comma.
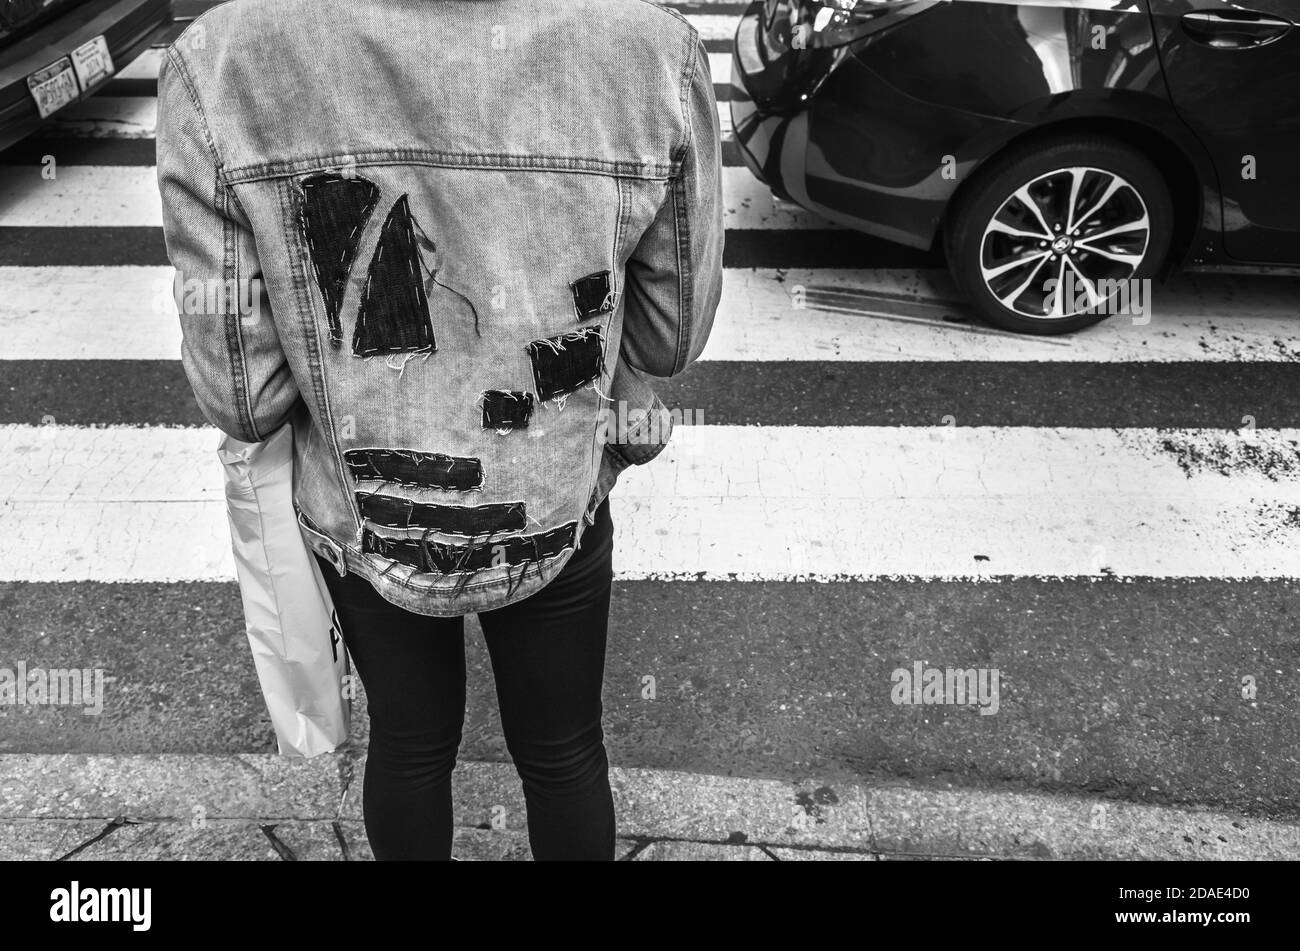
x: 690, y: 66
x: 174, y: 58
x: 690, y: 63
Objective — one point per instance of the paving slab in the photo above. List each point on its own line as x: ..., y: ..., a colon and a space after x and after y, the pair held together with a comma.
x: 820, y: 855
x: 963, y: 823
x: 23, y: 840
x: 180, y: 786
x: 210, y: 806
x: 679, y: 851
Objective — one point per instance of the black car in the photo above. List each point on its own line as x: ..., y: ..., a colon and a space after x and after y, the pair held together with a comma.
x: 54, y: 53
x: 1045, y: 145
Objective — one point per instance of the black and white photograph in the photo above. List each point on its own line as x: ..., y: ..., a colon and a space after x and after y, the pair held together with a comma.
x: 617, y: 430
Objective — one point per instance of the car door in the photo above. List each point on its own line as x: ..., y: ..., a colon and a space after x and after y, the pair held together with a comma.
x: 1234, y: 77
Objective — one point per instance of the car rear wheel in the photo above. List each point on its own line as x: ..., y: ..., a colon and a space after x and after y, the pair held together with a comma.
x: 1048, y: 237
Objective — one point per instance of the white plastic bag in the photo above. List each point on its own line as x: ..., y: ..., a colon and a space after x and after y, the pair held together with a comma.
x: 292, y: 629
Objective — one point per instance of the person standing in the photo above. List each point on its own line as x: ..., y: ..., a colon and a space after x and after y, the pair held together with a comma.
x: 463, y: 236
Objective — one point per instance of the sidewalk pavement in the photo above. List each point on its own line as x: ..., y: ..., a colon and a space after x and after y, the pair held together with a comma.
x: 263, y: 806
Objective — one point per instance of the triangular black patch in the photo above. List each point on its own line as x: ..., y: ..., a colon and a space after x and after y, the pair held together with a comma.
x: 333, y: 215
x: 394, y: 314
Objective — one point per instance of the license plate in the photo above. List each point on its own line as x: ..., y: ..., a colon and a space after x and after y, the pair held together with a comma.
x: 54, y: 86
x: 92, y: 62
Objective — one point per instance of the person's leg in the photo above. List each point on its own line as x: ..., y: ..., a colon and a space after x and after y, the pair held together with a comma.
x: 413, y: 669
x: 548, y: 656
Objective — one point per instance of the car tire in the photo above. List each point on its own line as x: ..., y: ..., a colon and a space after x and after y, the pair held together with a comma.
x: 994, y: 237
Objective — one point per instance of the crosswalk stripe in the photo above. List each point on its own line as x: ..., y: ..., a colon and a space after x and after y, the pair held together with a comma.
x: 66, y: 151
x: 83, y: 196
x: 119, y: 117
x: 145, y: 66
x: 148, y: 64
x: 716, y: 22
x: 136, y: 117
x: 187, y: 10
x: 144, y: 69
x: 738, y: 503
x: 884, y: 315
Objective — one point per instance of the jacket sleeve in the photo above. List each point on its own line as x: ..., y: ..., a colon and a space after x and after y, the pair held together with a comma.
x: 674, y: 277
x: 230, y: 350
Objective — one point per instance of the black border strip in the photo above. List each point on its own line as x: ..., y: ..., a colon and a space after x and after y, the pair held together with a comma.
x: 143, y: 152
x: 438, y: 558
x: 439, y: 471
x: 394, y: 511
x: 41, y: 246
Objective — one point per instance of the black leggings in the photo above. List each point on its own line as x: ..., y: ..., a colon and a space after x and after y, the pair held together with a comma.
x: 548, y: 658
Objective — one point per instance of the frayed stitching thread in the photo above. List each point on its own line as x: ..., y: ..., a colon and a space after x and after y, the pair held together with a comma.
x: 432, y: 247
x: 512, y: 587
x: 465, y: 576
x: 404, y: 358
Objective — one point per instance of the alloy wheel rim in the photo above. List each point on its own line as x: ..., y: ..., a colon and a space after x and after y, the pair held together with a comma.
x: 1054, y: 243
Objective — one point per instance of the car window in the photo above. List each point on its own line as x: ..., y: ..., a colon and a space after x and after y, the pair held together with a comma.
x: 20, y: 17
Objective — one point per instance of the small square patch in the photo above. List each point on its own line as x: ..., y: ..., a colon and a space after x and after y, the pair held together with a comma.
x: 593, y: 295
x: 565, y: 364
x: 506, y: 410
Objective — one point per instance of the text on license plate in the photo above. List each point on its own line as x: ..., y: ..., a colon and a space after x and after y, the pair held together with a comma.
x: 54, y: 86
x: 92, y: 62
x: 61, y: 82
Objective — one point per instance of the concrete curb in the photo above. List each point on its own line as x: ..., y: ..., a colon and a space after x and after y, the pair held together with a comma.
x: 206, y: 806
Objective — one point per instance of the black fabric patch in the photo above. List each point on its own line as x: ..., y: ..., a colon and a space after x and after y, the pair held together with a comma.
x: 430, y: 470
x: 333, y: 212
x: 471, y: 520
x: 593, y: 295
x: 440, y: 558
x: 565, y: 364
x: 507, y: 409
x: 394, y: 314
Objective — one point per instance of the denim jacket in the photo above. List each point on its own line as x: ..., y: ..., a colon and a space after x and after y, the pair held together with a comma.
x: 447, y: 241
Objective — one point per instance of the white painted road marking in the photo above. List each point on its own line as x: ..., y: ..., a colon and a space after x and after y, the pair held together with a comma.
x: 136, y: 117
x: 145, y: 66
x: 94, y: 196
x: 148, y: 64
x: 886, y: 315
x: 746, y: 503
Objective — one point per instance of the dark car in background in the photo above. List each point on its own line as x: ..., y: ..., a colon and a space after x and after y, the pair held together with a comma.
x: 1042, y: 144
x: 56, y: 52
